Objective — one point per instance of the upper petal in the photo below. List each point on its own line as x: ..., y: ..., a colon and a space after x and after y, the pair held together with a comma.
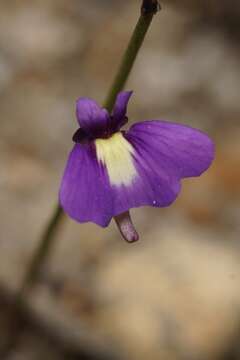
x: 120, y: 109
x: 91, y: 117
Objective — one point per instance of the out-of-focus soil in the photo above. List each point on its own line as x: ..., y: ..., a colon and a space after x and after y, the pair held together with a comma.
x: 176, y: 293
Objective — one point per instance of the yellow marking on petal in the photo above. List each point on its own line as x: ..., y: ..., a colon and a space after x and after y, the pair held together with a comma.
x: 116, y: 154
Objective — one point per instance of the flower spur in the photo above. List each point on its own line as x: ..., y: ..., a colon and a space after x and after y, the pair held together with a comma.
x: 110, y: 171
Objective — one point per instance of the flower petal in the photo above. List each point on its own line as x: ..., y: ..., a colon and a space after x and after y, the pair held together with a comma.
x: 155, y: 184
x: 120, y: 109
x: 91, y: 117
x: 135, y: 179
x: 84, y: 192
x: 188, y: 152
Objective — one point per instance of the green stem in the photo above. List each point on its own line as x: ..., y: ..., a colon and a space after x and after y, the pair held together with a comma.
x: 149, y: 8
x: 128, y: 59
x: 42, y: 250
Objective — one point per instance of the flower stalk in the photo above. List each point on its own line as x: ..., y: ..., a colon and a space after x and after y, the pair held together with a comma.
x: 42, y: 251
x: 148, y: 10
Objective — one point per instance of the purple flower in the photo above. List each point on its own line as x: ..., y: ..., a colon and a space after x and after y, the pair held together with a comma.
x: 110, y: 171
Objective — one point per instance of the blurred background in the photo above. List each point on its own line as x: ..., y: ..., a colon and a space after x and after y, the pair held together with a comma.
x: 175, y: 295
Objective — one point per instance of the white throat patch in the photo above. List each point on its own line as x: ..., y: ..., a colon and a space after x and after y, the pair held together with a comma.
x: 116, y: 154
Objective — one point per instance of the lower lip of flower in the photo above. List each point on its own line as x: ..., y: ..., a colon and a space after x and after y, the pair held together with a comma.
x: 116, y: 154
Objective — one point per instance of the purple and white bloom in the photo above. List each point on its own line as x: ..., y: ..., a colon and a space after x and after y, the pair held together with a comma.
x: 110, y: 171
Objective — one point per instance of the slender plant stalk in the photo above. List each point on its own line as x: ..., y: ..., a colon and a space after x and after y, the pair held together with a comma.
x: 131, y: 53
x: 149, y: 8
x: 44, y: 247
